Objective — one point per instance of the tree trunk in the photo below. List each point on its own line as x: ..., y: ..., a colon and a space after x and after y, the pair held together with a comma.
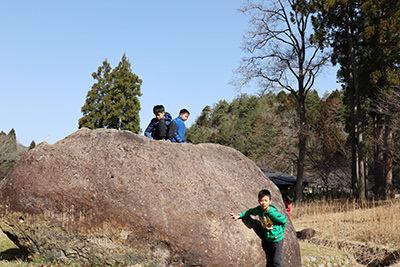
x: 387, y: 155
x: 378, y: 164
x: 357, y: 107
x: 361, y: 163
x: 119, y: 123
x: 302, y: 146
x: 354, y: 158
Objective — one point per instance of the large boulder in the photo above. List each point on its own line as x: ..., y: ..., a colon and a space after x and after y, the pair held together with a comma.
x: 108, y: 197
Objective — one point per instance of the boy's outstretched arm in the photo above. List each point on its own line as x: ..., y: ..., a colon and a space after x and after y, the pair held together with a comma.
x: 235, y: 216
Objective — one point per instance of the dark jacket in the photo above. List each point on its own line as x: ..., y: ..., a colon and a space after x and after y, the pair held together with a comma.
x: 154, y: 124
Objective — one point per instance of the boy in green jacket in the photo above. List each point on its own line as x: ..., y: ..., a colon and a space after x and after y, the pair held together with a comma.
x: 272, y: 224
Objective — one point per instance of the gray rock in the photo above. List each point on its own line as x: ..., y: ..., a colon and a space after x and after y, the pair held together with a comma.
x: 306, y: 234
x: 108, y: 197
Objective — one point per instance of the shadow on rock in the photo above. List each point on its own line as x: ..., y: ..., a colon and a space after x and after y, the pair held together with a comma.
x: 12, y: 254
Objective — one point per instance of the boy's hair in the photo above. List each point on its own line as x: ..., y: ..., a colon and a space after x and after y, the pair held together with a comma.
x: 264, y: 193
x: 158, y: 109
x: 184, y: 111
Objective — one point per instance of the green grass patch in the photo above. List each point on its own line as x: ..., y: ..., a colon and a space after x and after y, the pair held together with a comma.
x: 10, y: 254
x: 5, y: 243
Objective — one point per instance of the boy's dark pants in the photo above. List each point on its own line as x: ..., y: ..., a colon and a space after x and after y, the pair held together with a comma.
x: 164, y: 132
x: 273, y: 250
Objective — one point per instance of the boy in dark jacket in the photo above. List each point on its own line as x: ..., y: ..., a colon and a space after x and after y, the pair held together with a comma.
x: 161, y: 127
x: 272, y: 224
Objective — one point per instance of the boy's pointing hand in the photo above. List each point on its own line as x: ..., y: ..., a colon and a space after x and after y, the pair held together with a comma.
x: 234, y: 216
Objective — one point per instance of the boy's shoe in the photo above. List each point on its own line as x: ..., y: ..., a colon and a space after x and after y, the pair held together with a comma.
x: 169, y: 140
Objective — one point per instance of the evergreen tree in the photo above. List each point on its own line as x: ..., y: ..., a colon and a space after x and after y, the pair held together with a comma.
x: 204, y: 118
x: 12, y: 135
x: 32, y: 145
x: 113, y: 101
x: 339, y: 24
x: 368, y: 52
x: 379, y: 76
x: 200, y: 131
x: 327, y: 145
x: 122, y: 101
x: 94, y: 111
x: 8, y: 152
x: 264, y: 128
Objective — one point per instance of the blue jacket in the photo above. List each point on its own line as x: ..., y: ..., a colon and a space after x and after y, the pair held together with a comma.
x: 154, y: 124
x: 179, y: 136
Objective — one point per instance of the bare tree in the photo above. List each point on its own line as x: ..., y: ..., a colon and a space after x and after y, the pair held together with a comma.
x: 282, y: 54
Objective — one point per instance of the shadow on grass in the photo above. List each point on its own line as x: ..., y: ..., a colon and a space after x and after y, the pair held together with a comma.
x: 12, y: 254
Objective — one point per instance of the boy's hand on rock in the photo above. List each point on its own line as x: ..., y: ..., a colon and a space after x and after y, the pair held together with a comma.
x: 234, y: 216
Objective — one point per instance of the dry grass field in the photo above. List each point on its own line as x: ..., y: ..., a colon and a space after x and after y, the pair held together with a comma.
x: 376, y: 223
x: 369, y: 232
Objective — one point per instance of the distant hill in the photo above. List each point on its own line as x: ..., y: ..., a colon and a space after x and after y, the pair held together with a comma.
x: 10, y: 152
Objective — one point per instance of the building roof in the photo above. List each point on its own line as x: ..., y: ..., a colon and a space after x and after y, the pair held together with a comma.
x: 280, y: 182
x: 279, y: 178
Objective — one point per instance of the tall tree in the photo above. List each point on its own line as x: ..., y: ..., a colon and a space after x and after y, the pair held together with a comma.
x: 122, y: 100
x: 368, y: 52
x: 332, y: 18
x: 355, y: 103
x: 391, y: 106
x: 328, y: 140
x: 380, y: 69
x: 32, y: 145
x: 9, y: 154
x: 282, y: 54
x: 94, y: 110
x: 113, y: 100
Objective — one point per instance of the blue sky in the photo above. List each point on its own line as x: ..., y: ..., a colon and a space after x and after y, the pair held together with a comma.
x: 183, y: 50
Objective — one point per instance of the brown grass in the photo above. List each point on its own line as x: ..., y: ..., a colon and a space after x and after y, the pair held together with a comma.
x: 374, y: 223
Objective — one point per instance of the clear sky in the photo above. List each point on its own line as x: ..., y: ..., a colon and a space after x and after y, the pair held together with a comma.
x: 183, y: 50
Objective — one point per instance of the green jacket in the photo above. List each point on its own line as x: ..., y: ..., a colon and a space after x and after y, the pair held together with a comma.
x: 273, y: 222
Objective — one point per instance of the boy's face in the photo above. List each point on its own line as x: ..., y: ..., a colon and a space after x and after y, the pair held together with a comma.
x: 160, y: 115
x: 264, y: 202
x: 184, y: 116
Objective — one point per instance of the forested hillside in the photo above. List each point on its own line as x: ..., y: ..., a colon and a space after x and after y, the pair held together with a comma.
x: 10, y: 152
x: 286, y: 46
x: 264, y: 128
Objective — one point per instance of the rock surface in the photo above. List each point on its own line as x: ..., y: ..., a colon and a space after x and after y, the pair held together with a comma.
x: 108, y: 197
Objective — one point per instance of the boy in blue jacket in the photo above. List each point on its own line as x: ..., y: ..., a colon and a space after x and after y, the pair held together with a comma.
x: 161, y: 127
x: 179, y: 136
x: 272, y: 224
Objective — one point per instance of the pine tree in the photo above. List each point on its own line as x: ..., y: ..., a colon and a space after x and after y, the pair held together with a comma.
x: 123, y: 98
x: 94, y: 110
x: 32, y: 145
x: 8, y: 152
x: 367, y: 51
x: 113, y: 101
